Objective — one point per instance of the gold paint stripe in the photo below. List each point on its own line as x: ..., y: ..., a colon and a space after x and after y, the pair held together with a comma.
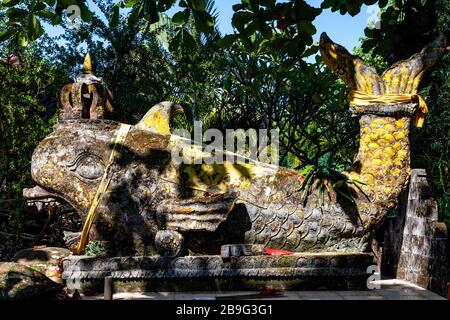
x: 120, y: 138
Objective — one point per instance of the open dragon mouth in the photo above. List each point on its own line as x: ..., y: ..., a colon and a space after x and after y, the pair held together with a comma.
x: 41, y: 198
x: 44, y: 200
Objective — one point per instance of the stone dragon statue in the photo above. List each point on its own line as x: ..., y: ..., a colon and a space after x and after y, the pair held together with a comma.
x: 150, y: 205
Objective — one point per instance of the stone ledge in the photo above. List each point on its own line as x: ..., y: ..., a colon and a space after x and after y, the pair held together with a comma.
x: 258, y: 267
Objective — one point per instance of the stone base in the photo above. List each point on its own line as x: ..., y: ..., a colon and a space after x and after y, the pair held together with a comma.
x: 191, y: 273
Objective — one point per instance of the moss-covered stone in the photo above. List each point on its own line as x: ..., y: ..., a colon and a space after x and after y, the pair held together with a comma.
x: 19, y: 282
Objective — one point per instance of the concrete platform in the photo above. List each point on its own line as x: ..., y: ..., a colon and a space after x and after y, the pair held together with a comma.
x: 391, y: 289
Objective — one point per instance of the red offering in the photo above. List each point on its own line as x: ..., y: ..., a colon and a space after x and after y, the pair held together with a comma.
x: 265, y: 292
x: 275, y: 252
x: 448, y: 291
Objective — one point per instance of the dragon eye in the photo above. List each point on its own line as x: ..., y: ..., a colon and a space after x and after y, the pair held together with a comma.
x: 89, y: 167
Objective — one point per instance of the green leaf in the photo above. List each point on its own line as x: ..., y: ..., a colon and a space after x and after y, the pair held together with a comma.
x: 307, y: 27
x: 183, y: 41
x: 136, y: 13
x: 239, y: 6
x: 188, y: 40
x: 47, y: 15
x: 324, y: 161
x: 16, y: 14
x: 251, y: 28
x: 353, y: 8
x: 303, y: 11
x: 86, y: 14
x: 310, y: 51
x: 150, y: 11
x: 204, y: 22
x: 179, y: 18
x: 35, y: 29
x: 295, y: 47
x: 248, y: 44
x: 326, y: 4
x: 369, y: 44
x: 38, y: 6
x: 267, y: 3
x: 130, y: 3
x: 114, y: 18
x: 254, y: 5
x: 22, y: 40
x: 368, y: 32
x: 242, y: 17
x: 164, y: 5
x: 286, y: 65
x: 198, y: 4
x: 227, y: 41
x: 5, y: 34
x: 10, y: 3
x: 266, y: 31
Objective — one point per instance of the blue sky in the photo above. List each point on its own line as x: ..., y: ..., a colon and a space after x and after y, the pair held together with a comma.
x: 345, y: 30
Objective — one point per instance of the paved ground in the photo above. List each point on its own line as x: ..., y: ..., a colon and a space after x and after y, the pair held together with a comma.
x: 390, y: 290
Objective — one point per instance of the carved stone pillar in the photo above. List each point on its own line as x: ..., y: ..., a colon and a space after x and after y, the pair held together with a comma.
x: 415, y: 244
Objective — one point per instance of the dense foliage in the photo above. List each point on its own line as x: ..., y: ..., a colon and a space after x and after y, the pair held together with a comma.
x: 27, y: 112
x: 285, y: 25
x: 255, y: 78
